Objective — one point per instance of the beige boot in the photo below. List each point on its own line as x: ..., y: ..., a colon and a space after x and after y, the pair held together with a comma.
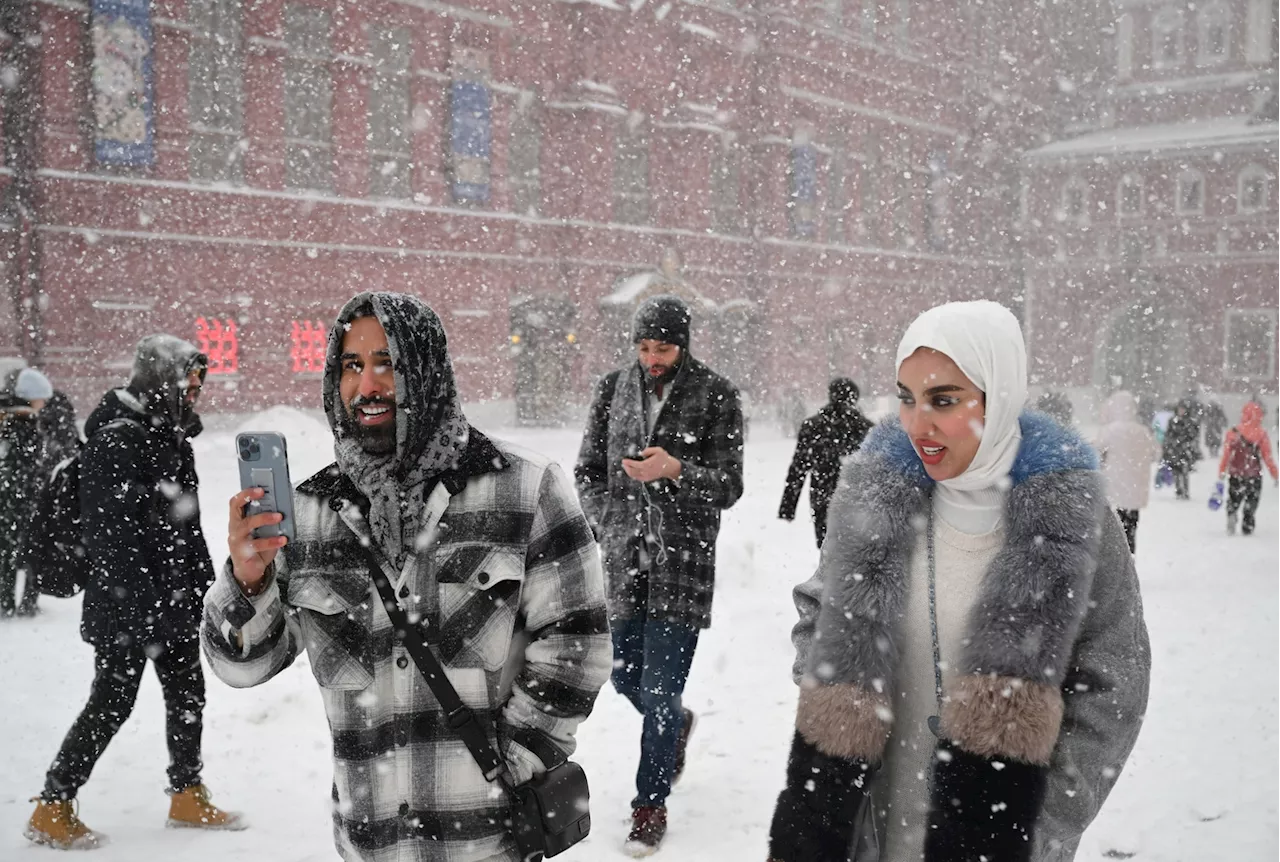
x: 191, y: 809
x: 56, y: 824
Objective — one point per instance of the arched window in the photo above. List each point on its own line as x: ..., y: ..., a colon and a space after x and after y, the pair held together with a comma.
x: 1124, y: 47
x: 1190, y: 193
x: 1213, y: 34
x: 1166, y: 39
x: 1252, y: 190
x: 1129, y: 200
x: 1075, y: 200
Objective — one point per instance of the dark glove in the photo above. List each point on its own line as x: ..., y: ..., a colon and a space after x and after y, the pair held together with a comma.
x: 818, y: 810
x: 982, y: 808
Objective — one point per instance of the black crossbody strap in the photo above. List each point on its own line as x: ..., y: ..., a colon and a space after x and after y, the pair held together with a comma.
x: 460, y: 716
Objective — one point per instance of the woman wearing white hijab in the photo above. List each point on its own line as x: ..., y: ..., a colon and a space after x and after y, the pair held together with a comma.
x: 972, y: 659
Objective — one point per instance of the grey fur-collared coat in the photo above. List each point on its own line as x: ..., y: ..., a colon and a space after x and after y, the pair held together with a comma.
x: 1053, y: 680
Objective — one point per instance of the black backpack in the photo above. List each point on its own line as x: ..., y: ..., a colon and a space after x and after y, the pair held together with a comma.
x: 55, y: 553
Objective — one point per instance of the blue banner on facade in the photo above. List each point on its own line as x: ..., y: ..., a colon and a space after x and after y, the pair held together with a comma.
x: 804, y: 190
x: 470, y: 140
x: 123, y: 89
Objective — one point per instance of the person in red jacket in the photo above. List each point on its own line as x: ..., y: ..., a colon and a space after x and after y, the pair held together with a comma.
x: 1243, y: 452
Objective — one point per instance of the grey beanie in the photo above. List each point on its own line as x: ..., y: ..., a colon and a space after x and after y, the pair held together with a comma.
x: 32, y: 385
x: 663, y: 318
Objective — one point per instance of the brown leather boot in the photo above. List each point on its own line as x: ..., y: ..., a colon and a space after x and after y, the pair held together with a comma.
x: 56, y: 824
x: 648, y: 827
x: 191, y: 809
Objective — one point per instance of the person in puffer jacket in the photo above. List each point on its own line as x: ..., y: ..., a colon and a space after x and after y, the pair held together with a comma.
x: 1244, y: 451
x: 972, y: 658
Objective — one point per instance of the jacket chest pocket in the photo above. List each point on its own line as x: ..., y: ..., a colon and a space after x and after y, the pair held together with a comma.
x: 478, y: 604
x: 336, y: 623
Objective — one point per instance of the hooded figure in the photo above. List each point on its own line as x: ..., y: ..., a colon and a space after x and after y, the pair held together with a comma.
x: 1246, y: 448
x: 971, y: 652
x: 24, y: 458
x: 1128, y: 451
x: 149, y: 571
x: 824, y: 442
x: 488, y: 551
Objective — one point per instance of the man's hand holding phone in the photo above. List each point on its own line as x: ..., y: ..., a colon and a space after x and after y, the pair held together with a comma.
x: 250, y: 557
x: 656, y: 464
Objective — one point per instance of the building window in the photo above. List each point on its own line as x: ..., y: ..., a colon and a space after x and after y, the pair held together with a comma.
x: 899, y: 203
x: 838, y: 203
x: 726, y: 178
x: 215, y: 81
x: 1251, y: 344
x: 937, y: 203
x: 803, y: 204
x: 1133, y: 248
x: 631, y: 173
x: 833, y: 12
x: 1129, y: 196
x: 470, y: 140
x: 217, y: 340
x: 308, y: 99
x: 902, y: 22
x: 1075, y: 201
x: 868, y: 187
x: 1260, y: 31
x: 1252, y: 189
x: 524, y: 157
x: 1124, y: 47
x: 1191, y: 193
x: 867, y: 20
x: 1213, y: 37
x: 390, y: 136
x: 1166, y: 39
x: 310, y: 346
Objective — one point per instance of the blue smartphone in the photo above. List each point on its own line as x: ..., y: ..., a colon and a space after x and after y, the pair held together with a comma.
x: 264, y: 463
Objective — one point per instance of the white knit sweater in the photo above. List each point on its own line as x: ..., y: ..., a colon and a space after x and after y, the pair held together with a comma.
x: 962, y: 560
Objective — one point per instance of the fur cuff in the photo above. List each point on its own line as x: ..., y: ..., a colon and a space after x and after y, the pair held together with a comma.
x: 982, y: 808
x: 1003, y: 717
x: 844, y: 720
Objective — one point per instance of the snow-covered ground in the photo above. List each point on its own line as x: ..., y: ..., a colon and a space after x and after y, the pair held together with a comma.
x: 1201, y: 785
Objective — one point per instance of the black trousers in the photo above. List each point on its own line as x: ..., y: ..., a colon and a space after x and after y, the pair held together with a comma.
x: 1247, y: 492
x: 118, y: 673
x: 819, y: 514
x: 1129, y: 520
x: 1182, y: 482
x: 10, y: 543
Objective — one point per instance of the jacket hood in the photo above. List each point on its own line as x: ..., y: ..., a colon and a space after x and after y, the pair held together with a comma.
x: 1046, y: 447
x: 123, y: 404
x: 1121, y: 407
x: 161, y: 364
x: 1252, y: 415
x: 427, y: 402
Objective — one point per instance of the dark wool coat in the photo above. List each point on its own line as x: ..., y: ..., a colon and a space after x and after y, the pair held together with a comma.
x: 141, y: 517
x: 1053, y: 680
x: 701, y: 424
x: 1182, y: 442
x: 825, y: 440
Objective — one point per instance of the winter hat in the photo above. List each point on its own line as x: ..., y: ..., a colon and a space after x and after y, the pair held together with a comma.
x: 663, y: 318
x: 842, y: 390
x: 985, y: 340
x: 161, y: 364
x: 31, y: 385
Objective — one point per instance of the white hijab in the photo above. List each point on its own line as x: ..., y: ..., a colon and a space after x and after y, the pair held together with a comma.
x: 984, y: 339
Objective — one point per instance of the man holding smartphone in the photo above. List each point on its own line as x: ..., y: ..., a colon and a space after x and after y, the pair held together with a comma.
x: 661, y: 457
x: 149, y: 570
x: 489, y: 556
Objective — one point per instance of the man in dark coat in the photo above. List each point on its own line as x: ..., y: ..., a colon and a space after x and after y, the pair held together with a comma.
x: 826, y: 439
x: 661, y: 457
x: 23, y: 459
x: 1182, y: 447
x: 149, y: 572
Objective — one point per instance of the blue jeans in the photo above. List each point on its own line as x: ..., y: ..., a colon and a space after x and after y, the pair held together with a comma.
x: 651, y: 660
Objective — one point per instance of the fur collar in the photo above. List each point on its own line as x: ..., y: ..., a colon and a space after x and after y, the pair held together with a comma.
x: 1007, y: 701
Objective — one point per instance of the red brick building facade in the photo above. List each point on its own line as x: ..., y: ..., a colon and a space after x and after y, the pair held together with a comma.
x: 823, y: 171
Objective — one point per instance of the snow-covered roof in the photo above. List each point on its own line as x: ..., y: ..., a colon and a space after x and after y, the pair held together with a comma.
x: 1198, y: 134
x: 629, y: 288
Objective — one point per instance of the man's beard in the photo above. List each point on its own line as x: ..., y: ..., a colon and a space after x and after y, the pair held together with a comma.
x: 373, y: 439
x: 653, y: 381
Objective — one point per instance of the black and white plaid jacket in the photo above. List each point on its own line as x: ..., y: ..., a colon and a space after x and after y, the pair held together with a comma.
x: 700, y: 423
x: 509, y: 592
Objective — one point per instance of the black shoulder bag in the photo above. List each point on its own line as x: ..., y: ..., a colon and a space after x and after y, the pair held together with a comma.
x: 551, y: 811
